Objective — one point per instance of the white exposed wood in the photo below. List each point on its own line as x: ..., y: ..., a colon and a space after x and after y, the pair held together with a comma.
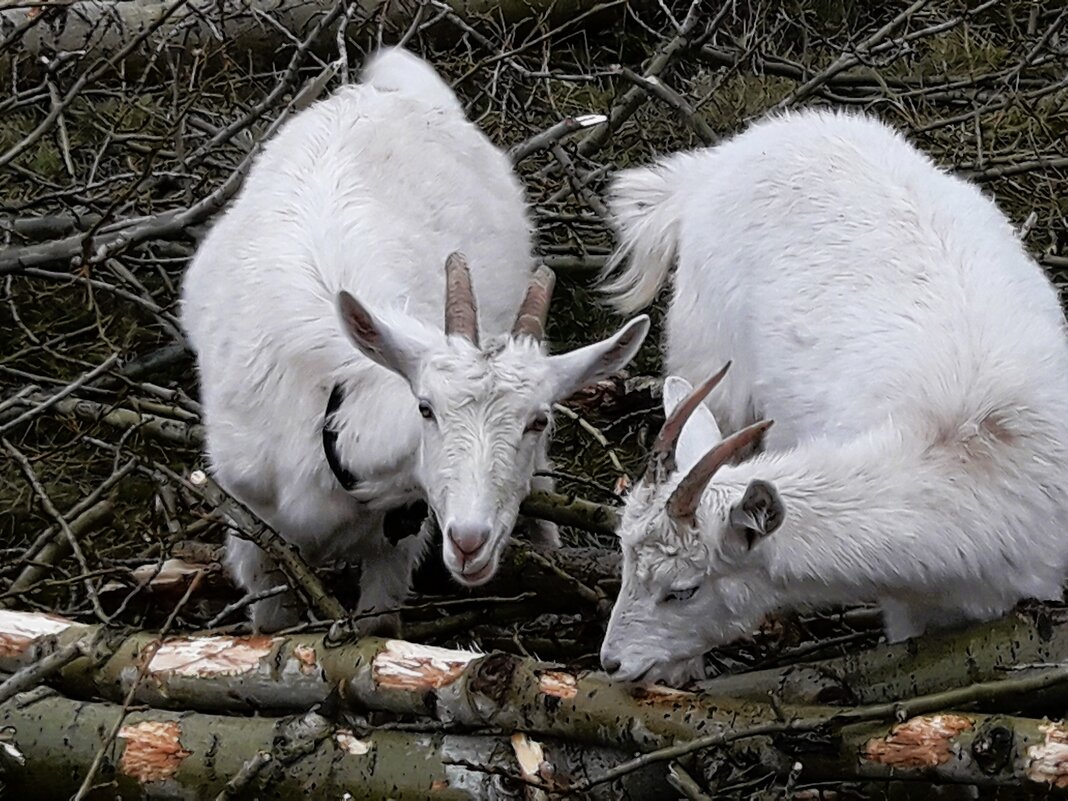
x: 204, y: 657
x: 1048, y: 763
x: 352, y: 744
x: 922, y: 742
x: 405, y: 665
x: 18, y: 630
x: 558, y: 683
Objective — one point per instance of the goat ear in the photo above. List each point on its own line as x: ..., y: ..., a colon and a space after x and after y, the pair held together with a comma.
x: 380, y: 342
x: 701, y: 432
x: 759, y: 513
x: 584, y: 366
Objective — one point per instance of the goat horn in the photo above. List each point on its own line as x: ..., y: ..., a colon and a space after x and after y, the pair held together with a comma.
x: 682, y: 505
x: 662, y: 462
x: 534, y: 310
x: 461, y: 313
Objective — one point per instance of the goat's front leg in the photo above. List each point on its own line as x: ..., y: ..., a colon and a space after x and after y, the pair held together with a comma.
x: 254, y: 571
x: 386, y: 580
x: 903, y: 621
x: 541, y: 533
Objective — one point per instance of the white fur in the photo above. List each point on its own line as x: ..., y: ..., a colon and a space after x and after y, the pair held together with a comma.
x: 912, y: 356
x: 369, y: 191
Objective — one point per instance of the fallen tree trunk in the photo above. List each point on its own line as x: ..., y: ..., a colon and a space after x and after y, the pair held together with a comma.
x: 508, y: 694
x: 292, y: 673
x: 50, y: 743
x: 985, y: 750
x: 929, y: 664
x: 236, y: 29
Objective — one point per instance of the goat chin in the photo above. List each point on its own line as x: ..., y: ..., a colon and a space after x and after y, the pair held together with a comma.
x: 913, y: 357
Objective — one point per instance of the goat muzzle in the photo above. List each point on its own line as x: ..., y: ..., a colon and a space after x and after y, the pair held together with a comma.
x: 461, y: 312
x: 534, y: 310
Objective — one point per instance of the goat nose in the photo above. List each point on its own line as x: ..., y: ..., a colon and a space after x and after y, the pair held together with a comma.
x: 469, y: 538
x: 610, y: 665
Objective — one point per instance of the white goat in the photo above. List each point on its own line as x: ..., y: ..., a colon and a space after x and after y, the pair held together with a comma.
x: 369, y: 191
x: 912, y: 356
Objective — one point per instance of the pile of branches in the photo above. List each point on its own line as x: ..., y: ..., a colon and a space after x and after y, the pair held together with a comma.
x: 126, y: 665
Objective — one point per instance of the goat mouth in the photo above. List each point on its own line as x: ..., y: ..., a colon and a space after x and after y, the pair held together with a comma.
x: 473, y: 570
x: 638, y: 676
x: 480, y: 576
x: 470, y: 576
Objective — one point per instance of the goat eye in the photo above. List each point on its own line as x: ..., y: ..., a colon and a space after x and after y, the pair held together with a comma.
x: 539, y: 423
x: 681, y: 595
x: 425, y: 410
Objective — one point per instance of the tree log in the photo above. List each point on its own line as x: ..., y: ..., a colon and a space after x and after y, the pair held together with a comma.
x: 292, y: 673
x: 50, y: 741
x: 238, y: 29
x: 507, y: 693
x: 951, y: 748
x: 932, y: 663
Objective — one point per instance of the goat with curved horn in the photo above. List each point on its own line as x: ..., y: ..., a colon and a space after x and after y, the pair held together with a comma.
x: 919, y: 458
x: 534, y: 310
x: 662, y: 462
x: 461, y: 311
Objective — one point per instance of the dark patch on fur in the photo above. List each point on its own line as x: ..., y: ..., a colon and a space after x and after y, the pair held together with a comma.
x: 345, y: 478
x: 404, y: 521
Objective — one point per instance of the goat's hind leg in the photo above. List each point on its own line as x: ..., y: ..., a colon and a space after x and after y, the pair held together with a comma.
x: 255, y: 572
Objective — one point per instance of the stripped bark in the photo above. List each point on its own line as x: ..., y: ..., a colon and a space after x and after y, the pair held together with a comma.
x: 50, y: 741
x: 952, y: 748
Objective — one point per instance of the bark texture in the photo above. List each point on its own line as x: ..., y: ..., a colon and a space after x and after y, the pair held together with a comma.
x: 50, y: 741
x: 292, y: 673
x: 466, y: 691
x: 929, y: 664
